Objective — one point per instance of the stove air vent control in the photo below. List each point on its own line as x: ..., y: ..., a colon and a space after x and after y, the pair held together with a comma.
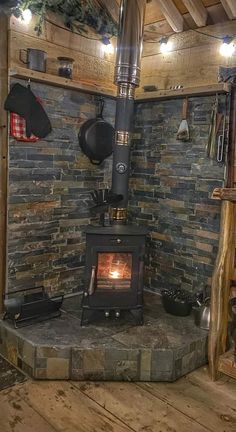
x: 121, y: 167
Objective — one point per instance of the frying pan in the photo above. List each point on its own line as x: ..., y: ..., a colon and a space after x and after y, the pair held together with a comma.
x: 96, y: 138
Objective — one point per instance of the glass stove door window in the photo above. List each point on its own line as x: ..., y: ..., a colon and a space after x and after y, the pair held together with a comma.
x: 114, y: 270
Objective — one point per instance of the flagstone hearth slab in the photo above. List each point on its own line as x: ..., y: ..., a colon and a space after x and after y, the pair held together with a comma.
x: 163, y: 349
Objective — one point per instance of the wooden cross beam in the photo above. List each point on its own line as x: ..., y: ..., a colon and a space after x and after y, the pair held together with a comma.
x: 229, y: 7
x: 171, y: 14
x: 197, y: 10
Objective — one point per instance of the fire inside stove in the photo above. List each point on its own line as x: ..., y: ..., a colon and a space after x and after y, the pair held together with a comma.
x: 114, y: 270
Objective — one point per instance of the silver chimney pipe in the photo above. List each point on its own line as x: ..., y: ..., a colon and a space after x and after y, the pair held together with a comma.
x: 127, y: 78
x: 129, y: 44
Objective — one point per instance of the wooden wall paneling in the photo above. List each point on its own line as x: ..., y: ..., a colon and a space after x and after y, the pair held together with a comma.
x: 230, y: 8
x: 190, y: 68
x: 194, y: 60
x: 221, y: 287
x: 3, y: 153
x: 87, y: 68
x: 192, y: 39
x: 60, y: 36
x: 197, y: 11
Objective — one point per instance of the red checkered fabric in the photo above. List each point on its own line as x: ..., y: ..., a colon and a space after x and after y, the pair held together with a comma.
x: 18, y: 128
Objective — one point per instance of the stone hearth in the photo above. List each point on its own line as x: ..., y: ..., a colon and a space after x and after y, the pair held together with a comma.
x: 163, y: 349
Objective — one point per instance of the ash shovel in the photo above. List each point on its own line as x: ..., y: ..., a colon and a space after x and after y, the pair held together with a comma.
x: 183, y: 131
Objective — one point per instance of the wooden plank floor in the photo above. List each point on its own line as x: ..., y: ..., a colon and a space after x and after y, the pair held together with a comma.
x: 193, y: 403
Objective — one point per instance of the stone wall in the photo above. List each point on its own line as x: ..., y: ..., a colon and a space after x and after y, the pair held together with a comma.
x: 49, y: 185
x: 171, y: 186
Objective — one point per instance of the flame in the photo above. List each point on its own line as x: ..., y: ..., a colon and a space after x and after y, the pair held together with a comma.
x: 114, y: 274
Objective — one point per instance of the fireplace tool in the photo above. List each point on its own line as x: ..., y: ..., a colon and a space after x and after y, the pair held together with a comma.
x: 31, y: 306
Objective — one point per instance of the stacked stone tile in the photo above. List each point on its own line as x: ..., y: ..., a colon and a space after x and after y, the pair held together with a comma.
x: 163, y: 349
x: 170, y: 191
x: 49, y: 196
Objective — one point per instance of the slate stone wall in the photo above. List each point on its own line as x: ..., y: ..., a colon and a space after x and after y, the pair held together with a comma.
x: 49, y: 185
x: 171, y: 186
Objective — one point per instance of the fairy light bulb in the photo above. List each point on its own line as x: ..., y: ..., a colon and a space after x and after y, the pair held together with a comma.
x: 227, y: 47
x: 26, y: 16
x: 107, y: 45
x: 108, y: 49
x: 165, y: 45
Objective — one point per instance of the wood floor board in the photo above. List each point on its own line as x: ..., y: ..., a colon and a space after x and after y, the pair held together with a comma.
x: 17, y: 416
x: 68, y: 409
x: 211, y: 404
x: 193, y: 403
x: 137, y: 408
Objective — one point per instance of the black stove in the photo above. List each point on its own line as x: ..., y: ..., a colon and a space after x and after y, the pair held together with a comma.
x: 115, y: 253
x: 114, y: 271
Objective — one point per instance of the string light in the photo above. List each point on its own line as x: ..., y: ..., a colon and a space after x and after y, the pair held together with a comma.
x: 107, y: 45
x: 26, y: 16
x: 165, y: 45
x: 227, y: 47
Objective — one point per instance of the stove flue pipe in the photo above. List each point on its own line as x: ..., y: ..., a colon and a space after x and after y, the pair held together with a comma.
x: 127, y: 78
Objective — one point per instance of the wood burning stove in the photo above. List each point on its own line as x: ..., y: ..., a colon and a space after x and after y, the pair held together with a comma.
x: 114, y: 254
x: 114, y: 270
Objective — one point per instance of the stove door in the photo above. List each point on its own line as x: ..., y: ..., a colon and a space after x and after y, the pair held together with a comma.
x: 113, y: 279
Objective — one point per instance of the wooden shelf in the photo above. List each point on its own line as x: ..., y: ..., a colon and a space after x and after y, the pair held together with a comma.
x: 20, y: 72
x: 188, y: 91
x: 227, y: 364
x: 228, y: 194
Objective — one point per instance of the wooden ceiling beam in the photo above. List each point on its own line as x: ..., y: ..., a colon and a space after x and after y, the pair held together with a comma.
x: 197, y: 10
x: 171, y: 14
x: 229, y: 7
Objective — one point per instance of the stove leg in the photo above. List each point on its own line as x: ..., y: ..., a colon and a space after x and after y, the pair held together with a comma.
x: 138, y: 316
x: 85, y: 317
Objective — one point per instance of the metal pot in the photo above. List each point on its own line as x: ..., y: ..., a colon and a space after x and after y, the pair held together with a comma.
x: 202, y: 315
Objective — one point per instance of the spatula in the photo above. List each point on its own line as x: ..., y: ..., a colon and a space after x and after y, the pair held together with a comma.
x: 183, y: 131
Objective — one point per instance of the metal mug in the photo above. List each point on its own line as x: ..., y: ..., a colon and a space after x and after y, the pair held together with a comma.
x: 35, y: 59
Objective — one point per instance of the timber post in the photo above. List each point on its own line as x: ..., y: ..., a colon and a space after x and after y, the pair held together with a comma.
x: 4, y: 20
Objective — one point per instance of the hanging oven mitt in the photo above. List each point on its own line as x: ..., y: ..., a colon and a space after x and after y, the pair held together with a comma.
x: 21, y: 100
x: 18, y: 129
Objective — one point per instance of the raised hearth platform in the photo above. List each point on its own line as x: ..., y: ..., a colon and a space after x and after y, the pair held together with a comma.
x: 163, y: 349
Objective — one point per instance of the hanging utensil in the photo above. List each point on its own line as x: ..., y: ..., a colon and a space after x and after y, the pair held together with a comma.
x: 211, y: 144
x: 226, y: 150
x: 183, y: 131
x: 220, y: 145
x: 96, y: 138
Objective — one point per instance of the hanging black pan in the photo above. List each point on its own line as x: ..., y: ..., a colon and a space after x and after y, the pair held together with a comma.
x: 96, y: 138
